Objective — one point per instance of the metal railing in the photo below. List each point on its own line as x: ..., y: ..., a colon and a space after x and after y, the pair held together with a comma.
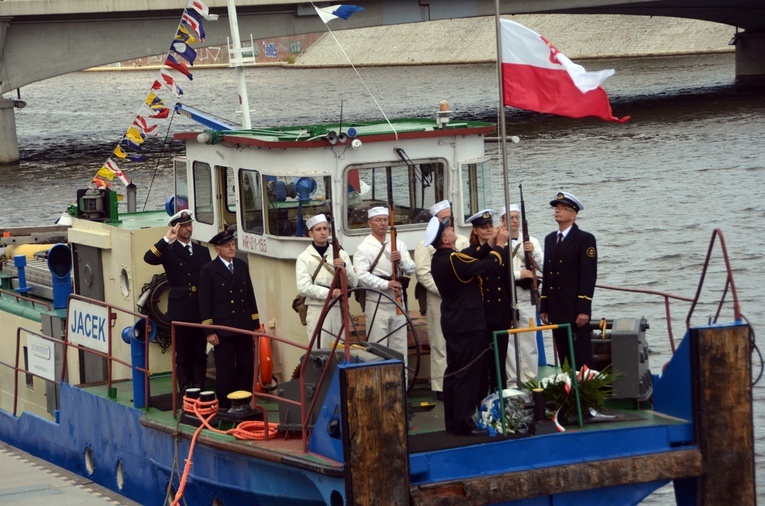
x: 340, y: 281
x: 33, y: 302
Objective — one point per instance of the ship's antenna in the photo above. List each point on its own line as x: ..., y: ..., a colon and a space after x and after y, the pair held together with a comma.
x: 358, y: 75
x: 340, y: 126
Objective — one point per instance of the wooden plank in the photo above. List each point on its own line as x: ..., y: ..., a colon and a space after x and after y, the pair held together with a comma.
x: 375, y: 435
x: 679, y: 464
x: 723, y: 414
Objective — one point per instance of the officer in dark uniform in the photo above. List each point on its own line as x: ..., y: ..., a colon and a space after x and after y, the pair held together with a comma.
x: 568, y: 283
x: 182, y: 261
x: 226, y: 297
x: 462, y: 320
x: 497, y: 303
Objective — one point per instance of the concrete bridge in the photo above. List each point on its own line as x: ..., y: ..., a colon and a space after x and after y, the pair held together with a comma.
x: 40, y: 39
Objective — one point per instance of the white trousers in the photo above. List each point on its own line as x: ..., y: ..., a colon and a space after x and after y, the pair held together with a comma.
x: 382, y: 323
x: 527, y: 344
x: 436, y: 342
x: 331, y: 327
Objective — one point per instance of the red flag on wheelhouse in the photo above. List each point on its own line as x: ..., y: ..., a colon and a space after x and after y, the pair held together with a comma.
x: 537, y: 77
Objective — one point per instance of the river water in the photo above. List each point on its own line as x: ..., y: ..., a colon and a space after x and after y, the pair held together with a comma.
x: 690, y: 160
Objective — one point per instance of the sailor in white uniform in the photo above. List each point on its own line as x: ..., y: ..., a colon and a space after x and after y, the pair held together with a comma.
x: 373, y: 262
x: 314, y: 271
x: 527, y: 341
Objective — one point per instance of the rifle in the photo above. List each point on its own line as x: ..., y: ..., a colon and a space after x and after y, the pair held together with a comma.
x: 393, y: 265
x: 529, y: 259
x: 335, y: 243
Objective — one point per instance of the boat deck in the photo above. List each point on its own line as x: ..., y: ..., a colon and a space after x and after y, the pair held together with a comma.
x: 425, y: 425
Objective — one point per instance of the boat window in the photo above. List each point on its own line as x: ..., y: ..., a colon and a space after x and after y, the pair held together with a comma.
x: 292, y: 200
x: 230, y: 191
x: 203, y: 194
x: 413, y: 188
x: 476, y: 188
x: 181, y: 199
x: 251, y: 197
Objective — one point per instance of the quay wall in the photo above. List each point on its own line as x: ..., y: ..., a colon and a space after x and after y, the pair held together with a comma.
x: 471, y: 40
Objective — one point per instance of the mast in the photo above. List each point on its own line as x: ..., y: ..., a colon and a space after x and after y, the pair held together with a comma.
x: 503, y: 156
x: 236, y: 59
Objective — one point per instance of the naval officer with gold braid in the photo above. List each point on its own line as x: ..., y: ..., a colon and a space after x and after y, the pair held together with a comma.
x: 458, y: 279
x: 226, y: 297
x: 182, y: 261
x: 568, y: 282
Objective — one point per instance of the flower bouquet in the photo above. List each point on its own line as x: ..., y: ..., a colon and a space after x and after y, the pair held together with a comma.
x: 594, y: 390
x: 517, y: 417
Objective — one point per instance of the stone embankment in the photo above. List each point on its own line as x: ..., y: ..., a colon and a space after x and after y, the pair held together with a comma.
x: 472, y: 40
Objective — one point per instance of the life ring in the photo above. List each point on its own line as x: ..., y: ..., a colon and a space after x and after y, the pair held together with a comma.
x: 266, y: 364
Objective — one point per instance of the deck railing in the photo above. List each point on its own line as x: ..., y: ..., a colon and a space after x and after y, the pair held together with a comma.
x: 340, y: 281
x: 66, y: 344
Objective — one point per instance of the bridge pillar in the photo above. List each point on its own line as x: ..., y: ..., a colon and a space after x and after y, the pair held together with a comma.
x: 9, y: 143
x: 750, y: 54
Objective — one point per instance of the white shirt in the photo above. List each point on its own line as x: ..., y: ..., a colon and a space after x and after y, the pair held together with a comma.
x: 367, y: 252
x: 316, y: 291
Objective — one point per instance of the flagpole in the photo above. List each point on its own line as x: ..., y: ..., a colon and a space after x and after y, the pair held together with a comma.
x: 503, y: 156
x: 236, y: 49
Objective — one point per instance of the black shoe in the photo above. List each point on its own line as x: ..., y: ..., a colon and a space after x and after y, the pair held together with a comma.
x: 478, y: 432
x: 440, y: 396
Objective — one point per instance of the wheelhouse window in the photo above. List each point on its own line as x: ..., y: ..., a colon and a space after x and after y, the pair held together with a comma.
x: 251, y: 197
x: 476, y: 187
x: 412, y: 186
x: 293, y: 199
x: 181, y: 199
x: 203, y: 194
x: 230, y: 191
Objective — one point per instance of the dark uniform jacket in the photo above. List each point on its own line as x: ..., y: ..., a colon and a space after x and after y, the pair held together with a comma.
x: 227, y: 299
x: 182, y: 272
x: 570, y: 271
x: 457, y: 277
x: 496, y: 293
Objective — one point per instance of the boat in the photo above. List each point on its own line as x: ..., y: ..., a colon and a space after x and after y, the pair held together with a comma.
x: 87, y: 381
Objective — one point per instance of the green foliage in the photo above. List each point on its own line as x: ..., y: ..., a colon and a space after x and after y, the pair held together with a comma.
x: 594, y: 390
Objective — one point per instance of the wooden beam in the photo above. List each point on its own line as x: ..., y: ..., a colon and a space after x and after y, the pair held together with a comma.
x: 723, y: 420
x: 375, y: 434
x: 679, y: 464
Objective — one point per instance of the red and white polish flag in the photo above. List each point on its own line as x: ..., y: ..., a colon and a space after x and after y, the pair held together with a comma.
x: 538, y: 77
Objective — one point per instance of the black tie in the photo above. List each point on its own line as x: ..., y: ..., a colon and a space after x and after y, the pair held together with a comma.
x: 560, y: 237
x: 231, y: 267
x: 188, y: 247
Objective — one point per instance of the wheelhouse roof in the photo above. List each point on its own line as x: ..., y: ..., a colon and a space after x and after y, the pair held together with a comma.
x: 319, y: 135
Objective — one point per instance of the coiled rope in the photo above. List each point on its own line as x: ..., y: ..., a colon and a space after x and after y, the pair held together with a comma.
x: 206, y: 411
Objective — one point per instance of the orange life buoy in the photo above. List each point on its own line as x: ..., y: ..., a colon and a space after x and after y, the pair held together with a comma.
x: 266, y: 363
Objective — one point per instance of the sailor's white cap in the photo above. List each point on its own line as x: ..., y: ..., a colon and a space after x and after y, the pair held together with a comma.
x: 180, y: 217
x: 315, y: 220
x: 377, y: 211
x: 481, y: 218
x: 440, y: 206
x: 513, y: 209
x: 433, y: 231
x: 567, y: 199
